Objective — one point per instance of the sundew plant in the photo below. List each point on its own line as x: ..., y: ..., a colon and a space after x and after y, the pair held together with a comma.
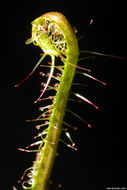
x: 55, y: 36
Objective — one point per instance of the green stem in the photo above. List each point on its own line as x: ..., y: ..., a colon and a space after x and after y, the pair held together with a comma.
x: 49, y: 151
x: 52, y: 139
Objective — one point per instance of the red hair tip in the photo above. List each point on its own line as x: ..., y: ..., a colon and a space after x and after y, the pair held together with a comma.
x: 97, y: 108
x: 75, y: 128
x: 90, y: 126
x: 27, y: 120
x: 16, y: 85
x: 105, y: 83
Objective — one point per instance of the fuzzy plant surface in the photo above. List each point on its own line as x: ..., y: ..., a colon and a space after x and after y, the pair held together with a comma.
x: 55, y: 36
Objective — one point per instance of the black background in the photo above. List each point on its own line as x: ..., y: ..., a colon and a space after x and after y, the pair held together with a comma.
x: 100, y: 161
